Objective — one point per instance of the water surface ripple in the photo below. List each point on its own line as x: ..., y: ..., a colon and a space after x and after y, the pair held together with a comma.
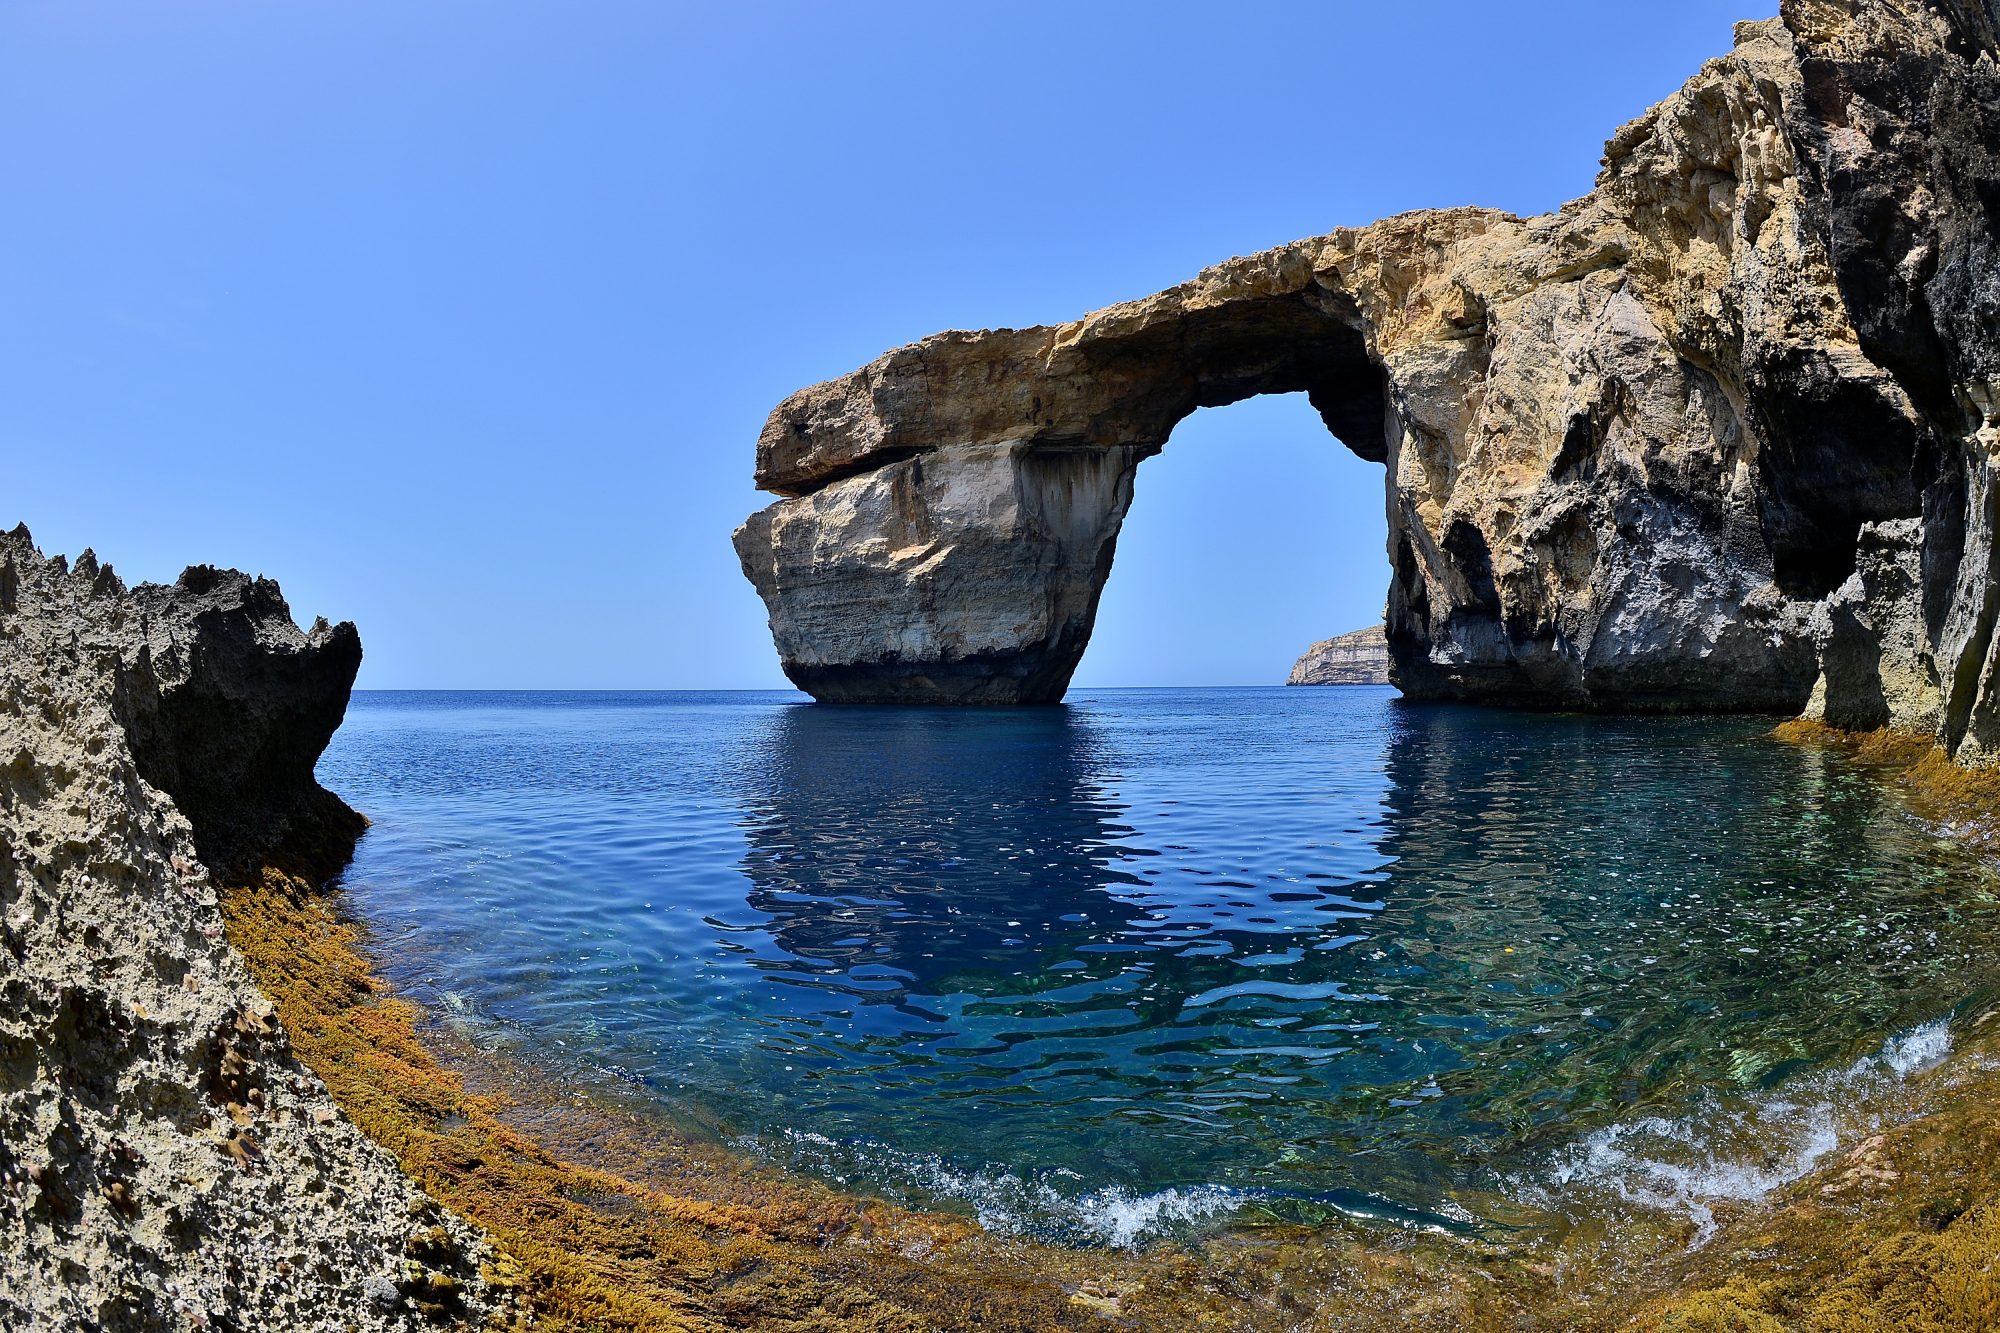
x: 1143, y: 958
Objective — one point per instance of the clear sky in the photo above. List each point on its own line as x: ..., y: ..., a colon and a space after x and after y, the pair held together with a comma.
x: 460, y: 317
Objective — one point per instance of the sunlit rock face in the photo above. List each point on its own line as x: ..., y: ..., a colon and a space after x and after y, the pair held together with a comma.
x: 1360, y: 657
x: 965, y: 574
x: 162, y: 1145
x: 1634, y: 450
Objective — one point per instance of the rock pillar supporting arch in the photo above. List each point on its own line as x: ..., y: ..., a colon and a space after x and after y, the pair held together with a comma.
x: 964, y: 575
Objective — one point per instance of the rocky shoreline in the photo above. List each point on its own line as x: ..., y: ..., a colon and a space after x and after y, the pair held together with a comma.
x: 213, y: 1117
x: 166, y: 1160
x: 1721, y: 435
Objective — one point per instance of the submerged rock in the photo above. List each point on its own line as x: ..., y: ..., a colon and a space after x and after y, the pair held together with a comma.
x: 165, y: 1161
x: 1633, y: 448
x: 1357, y: 658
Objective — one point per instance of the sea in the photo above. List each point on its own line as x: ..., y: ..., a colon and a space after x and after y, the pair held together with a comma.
x: 1158, y: 962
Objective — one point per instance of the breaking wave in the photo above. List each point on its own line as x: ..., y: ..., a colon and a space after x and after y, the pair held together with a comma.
x: 1061, y: 1207
x: 1735, y: 1150
x: 1048, y: 1206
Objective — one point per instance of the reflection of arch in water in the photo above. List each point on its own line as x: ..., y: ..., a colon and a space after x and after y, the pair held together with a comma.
x: 887, y: 864
x: 986, y: 866
x: 970, y: 910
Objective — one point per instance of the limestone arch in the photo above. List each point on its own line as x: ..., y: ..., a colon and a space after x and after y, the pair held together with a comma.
x: 953, y: 508
x: 1643, y: 447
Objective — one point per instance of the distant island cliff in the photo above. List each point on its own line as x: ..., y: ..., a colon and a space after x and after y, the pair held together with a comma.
x: 1360, y: 657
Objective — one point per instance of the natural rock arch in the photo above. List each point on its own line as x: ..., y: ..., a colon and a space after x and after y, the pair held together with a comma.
x: 961, y: 498
x: 1635, y: 449
x: 956, y: 503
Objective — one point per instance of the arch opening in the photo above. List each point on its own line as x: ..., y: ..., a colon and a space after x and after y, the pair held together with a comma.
x: 1252, y: 537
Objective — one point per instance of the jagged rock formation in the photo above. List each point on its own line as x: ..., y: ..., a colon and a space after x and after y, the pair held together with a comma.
x: 165, y: 1162
x: 1635, y: 449
x: 227, y: 707
x: 1357, y: 658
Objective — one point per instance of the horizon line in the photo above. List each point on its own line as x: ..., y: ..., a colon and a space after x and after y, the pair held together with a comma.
x: 758, y: 689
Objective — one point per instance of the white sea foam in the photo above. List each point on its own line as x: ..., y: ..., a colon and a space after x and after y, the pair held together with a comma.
x: 1733, y: 1149
x: 1051, y: 1206
x: 1919, y: 1049
x: 1737, y: 1150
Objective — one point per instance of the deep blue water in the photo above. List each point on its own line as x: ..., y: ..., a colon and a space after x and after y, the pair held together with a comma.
x: 1160, y: 953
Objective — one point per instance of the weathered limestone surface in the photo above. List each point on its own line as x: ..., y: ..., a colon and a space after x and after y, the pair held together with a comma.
x: 165, y: 1161
x: 1357, y: 658
x: 1876, y: 664
x: 963, y: 575
x: 1633, y: 448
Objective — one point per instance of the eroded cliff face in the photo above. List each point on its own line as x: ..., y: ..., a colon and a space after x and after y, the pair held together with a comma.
x: 228, y: 705
x: 1360, y: 657
x: 165, y: 1160
x: 1649, y: 451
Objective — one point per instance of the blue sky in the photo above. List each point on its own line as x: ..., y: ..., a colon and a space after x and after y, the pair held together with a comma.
x: 460, y: 318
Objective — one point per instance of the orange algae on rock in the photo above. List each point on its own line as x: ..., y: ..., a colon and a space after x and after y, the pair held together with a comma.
x: 613, y: 1221
x: 1961, y: 802
x: 1903, y: 1231
x: 593, y: 1248
x: 1912, y: 1281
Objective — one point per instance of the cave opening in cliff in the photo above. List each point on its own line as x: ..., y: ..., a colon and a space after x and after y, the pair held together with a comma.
x: 1252, y: 535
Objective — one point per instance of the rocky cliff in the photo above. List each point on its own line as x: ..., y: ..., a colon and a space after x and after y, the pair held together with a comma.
x: 1717, y: 435
x: 1358, y: 658
x: 165, y: 1161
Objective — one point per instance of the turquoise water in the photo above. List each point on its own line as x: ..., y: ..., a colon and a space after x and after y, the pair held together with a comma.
x: 1161, y: 956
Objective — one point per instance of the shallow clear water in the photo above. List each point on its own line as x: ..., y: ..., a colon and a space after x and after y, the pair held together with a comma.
x: 1163, y: 953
